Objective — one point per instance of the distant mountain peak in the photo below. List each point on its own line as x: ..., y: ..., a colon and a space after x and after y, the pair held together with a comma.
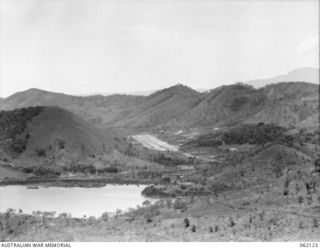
x: 178, y: 89
x: 31, y: 92
x: 303, y: 74
x: 300, y: 69
x: 35, y: 90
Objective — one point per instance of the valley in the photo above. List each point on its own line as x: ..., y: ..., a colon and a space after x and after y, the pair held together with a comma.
x: 231, y: 164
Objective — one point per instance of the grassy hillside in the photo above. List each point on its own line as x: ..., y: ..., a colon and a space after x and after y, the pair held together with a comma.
x: 96, y: 109
x: 50, y: 139
x: 27, y: 130
x: 50, y: 142
x: 159, y: 107
x: 290, y: 104
x: 286, y: 104
x: 221, y: 106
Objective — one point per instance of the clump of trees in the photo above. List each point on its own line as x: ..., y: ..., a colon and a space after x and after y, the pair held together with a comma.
x: 81, y: 168
x: 41, y: 152
x: 217, y: 188
x: 18, y: 145
x: 40, y: 171
x: 155, y: 191
x: 150, y: 174
x: 148, y: 211
x: 180, y: 205
x: 108, y: 170
x: 168, y: 159
x: 13, y: 124
x: 174, y: 191
x: 89, y: 169
x: 246, y: 134
x: 61, y: 144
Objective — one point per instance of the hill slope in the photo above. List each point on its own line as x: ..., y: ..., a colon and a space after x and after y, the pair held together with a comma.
x: 286, y: 104
x: 50, y: 135
x: 51, y: 141
x: 220, y: 106
x: 290, y: 104
x: 97, y: 109
x: 159, y: 107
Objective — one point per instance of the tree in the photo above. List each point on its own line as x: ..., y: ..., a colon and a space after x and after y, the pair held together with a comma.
x: 146, y: 203
x: 179, y: 204
x: 41, y: 152
x: 61, y: 144
x: 118, y: 212
x: 64, y: 216
x: 186, y: 222
x: 317, y: 165
x: 105, y: 216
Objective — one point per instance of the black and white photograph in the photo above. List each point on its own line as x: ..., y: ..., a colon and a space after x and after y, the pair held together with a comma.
x: 159, y: 121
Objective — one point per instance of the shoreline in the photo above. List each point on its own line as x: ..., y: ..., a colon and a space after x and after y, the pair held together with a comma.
x: 73, y: 182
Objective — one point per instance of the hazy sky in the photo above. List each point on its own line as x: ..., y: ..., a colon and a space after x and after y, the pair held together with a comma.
x: 82, y: 46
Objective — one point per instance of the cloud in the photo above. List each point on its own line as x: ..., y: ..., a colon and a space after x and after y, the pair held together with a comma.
x: 309, y: 45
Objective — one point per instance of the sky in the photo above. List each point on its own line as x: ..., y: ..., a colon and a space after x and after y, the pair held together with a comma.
x: 91, y: 46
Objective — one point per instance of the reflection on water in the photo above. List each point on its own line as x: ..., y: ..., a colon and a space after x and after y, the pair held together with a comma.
x: 75, y: 201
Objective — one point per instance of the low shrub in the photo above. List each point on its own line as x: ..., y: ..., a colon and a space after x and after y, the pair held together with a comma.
x: 186, y: 222
x: 179, y: 204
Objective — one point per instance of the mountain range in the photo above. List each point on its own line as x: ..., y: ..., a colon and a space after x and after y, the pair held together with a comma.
x: 287, y: 103
x: 290, y: 104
